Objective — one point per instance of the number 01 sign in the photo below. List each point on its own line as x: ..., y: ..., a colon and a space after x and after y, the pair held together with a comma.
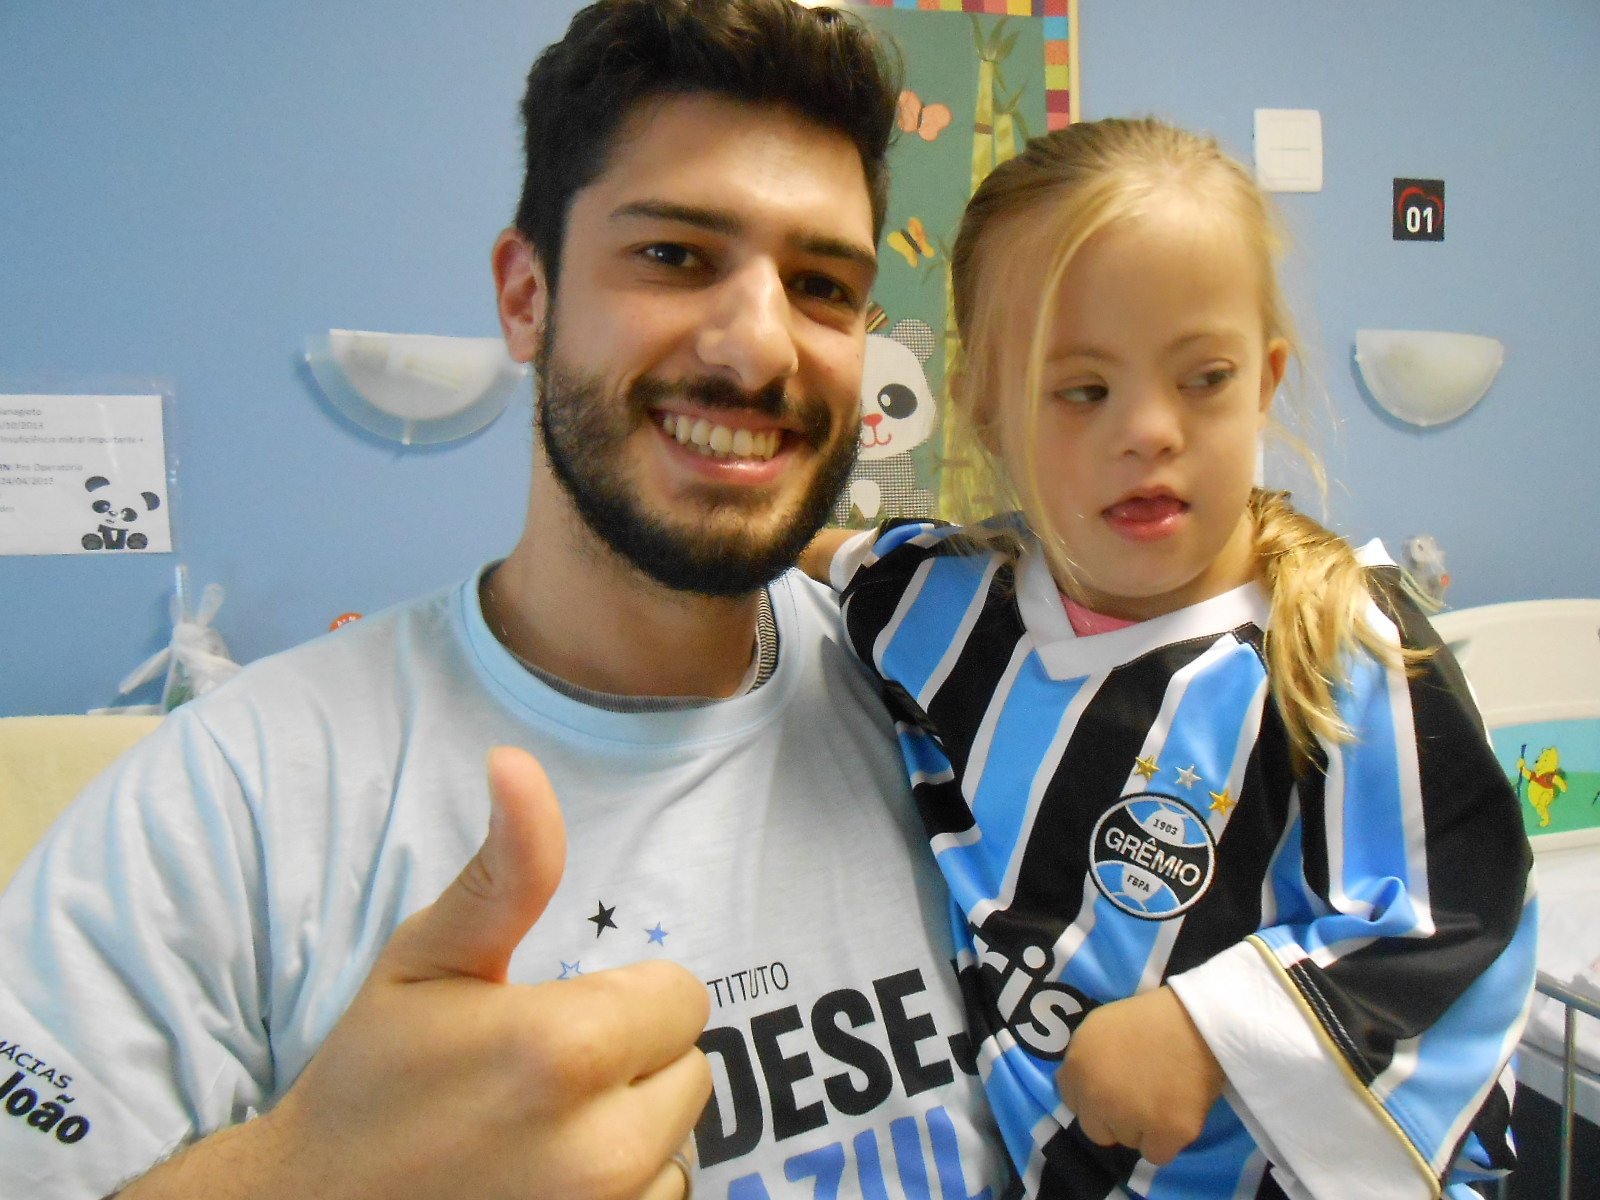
x: 1419, y: 210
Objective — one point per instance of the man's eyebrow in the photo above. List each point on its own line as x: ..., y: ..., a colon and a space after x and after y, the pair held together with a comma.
x: 710, y: 219
x: 716, y: 221
x: 832, y: 247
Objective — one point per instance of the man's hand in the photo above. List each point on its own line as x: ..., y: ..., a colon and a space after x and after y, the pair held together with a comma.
x: 443, y: 1080
x: 1138, y: 1073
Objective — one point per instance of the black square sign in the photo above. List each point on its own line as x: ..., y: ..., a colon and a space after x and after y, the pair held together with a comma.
x: 1419, y: 210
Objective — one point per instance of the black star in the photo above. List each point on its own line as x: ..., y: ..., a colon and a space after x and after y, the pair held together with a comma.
x: 602, y: 918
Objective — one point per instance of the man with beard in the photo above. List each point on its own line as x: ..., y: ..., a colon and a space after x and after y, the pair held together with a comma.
x: 255, y: 911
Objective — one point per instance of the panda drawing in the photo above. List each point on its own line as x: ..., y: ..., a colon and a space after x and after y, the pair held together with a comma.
x: 115, y: 517
x: 898, y: 414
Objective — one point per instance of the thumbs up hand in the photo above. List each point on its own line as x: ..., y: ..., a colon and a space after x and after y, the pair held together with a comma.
x: 443, y: 1080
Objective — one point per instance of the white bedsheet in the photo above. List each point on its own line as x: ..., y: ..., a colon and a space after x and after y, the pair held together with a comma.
x: 1569, y: 947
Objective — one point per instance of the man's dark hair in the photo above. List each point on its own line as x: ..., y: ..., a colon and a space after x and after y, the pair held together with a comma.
x: 825, y: 65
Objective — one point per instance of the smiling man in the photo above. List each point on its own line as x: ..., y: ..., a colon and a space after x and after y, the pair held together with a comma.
x: 697, y: 412
x: 720, y: 941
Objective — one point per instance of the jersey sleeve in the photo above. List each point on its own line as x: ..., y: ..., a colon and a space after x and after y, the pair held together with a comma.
x: 876, y: 573
x: 1372, y: 1019
x: 131, y: 1009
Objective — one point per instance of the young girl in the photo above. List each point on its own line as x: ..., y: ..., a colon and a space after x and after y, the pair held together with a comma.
x: 1242, y: 899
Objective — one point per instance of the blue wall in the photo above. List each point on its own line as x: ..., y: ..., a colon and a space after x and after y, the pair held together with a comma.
x: 187, y: 190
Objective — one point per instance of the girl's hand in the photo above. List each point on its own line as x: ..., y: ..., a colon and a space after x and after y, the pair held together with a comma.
x: 1138, y: 1073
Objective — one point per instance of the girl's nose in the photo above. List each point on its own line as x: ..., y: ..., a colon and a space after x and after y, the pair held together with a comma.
x: 1150, y: 423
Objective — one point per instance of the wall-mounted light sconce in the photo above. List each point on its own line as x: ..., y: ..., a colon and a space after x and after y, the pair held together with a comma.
x: 1426, y: 377
x: 414, y: 387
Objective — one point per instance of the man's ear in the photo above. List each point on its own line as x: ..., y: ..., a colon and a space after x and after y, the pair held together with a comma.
x: 524, y: 296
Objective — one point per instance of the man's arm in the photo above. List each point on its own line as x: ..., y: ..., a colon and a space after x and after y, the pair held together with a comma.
x: 444, y: 1080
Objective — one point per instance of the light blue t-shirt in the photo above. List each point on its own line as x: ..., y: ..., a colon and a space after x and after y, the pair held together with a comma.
x: 178, y: 947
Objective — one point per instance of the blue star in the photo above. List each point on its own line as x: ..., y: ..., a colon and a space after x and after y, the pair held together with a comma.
x: 570, y: 970
x: 657, y: 936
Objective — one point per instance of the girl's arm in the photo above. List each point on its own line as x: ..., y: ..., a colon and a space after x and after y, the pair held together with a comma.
x: 1138, y: 1073
x: 816, y: 558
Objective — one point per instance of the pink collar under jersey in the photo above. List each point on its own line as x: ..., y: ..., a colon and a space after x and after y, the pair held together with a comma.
x: 1086, y: 622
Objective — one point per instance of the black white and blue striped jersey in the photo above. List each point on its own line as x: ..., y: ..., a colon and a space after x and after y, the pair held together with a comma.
x: 1111, y: 813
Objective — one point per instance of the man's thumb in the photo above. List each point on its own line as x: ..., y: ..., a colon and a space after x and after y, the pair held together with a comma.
x: 476, y: 923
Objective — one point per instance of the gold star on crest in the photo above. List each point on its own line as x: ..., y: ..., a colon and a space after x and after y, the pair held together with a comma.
x: 1221, y: 802
x: 1188, y: 776
x: 1146, y: 767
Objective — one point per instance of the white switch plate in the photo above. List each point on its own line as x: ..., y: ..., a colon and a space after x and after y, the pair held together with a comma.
x: 1289, y: 149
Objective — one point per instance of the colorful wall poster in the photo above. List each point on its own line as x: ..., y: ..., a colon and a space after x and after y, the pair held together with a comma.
x: 982, y: 76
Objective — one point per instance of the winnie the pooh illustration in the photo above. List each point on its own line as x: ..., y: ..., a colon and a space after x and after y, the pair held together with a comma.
x: 1544, y: 781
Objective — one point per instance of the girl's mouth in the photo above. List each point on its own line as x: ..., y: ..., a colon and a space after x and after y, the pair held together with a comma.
x: 1146, y: 518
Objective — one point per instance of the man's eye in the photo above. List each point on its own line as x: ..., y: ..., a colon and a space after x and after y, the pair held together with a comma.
x: 820, y: 287
x: 1084, y: 393
x: 669, y: 254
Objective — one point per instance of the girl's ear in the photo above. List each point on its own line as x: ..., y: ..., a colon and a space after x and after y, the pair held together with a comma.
x: 1274, y: 364
x: 980, y: 411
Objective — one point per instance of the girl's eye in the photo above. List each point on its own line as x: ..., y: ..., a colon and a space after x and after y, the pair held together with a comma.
x: 1211, y: 378
x: 1084, y: 393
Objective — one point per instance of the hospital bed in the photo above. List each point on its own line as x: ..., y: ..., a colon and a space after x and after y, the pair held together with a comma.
x: 1534, y: 667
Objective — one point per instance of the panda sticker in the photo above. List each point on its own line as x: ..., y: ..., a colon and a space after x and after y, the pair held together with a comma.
x: 117, y: 512
x: 898, y: 414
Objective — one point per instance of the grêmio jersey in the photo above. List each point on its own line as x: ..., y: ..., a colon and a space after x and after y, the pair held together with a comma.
x: 1115, y: 812
x: 177, y: 948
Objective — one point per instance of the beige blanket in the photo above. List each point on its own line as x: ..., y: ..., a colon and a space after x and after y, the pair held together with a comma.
x: 44, y: 763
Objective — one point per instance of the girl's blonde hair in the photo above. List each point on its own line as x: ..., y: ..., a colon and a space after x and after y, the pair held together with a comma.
x: 1062, y: 190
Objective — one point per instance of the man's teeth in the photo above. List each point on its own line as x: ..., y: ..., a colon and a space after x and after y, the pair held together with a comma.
x: 718, y: 441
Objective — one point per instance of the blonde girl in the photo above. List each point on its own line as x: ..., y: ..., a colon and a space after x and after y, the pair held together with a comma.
x: 1240, y: 895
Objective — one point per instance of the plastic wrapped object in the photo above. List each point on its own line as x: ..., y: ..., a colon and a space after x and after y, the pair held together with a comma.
x: 1423, y: 559
x: 196, y: 660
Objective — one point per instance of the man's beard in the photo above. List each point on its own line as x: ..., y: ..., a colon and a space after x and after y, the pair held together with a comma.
x: 585, y: 435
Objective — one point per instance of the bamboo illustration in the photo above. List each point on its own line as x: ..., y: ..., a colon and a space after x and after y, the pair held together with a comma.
x: 995, y: 128
x: 983, y: 122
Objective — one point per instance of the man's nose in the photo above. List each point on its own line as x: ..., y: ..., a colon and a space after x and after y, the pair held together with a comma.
x: 750, y: 336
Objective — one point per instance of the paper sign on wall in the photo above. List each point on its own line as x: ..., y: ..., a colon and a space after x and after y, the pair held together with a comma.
x: 83, y: 475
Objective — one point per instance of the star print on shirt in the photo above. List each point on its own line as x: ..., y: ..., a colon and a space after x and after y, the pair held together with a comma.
x: 602, y: 918
x: 570, y: 970
x: 1221, y: 802
x: 1188, y: 776
x: 1146, y: 767
x: 657, y: 936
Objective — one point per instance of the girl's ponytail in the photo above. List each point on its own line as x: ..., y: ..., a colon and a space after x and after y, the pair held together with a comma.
x: 1319, y: 597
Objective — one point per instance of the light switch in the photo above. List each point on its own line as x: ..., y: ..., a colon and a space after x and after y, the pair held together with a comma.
x: 1289, y: 149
